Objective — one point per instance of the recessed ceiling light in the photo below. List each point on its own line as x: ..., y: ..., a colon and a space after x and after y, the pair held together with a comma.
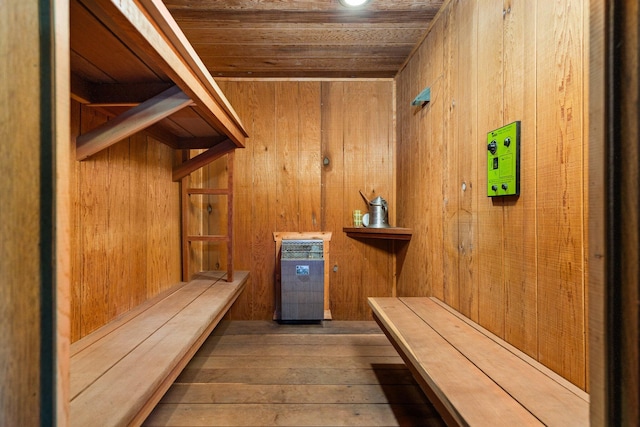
x: 354, y: 3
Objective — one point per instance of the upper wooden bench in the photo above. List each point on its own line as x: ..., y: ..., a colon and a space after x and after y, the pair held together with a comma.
x: 472, y: 376
x: 120, y: 372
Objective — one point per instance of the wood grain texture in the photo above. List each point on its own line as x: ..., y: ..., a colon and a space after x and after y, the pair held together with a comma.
x: 20, y: 263
x: 490, y: 210
x: 531, y: 384
x: 598, y: 366
x: 520, y: 243
x: 263, y: 373
x: 126, y: 124
x: 146, y: 353
x: 561, y: 281
x: 294, y: 125
x: 304, y: 39
x: 461, y: 388
x: 449, y: 161
x: 516, y: 264
x: 467, y: 103
x: 427, y: 330
x: 263, y: 208
x: 125, y: 235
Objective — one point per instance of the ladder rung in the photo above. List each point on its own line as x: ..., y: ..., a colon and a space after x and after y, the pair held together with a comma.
x: 211, y: 238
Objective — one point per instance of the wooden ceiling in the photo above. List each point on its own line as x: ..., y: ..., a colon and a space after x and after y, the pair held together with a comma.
x: 303, y: 38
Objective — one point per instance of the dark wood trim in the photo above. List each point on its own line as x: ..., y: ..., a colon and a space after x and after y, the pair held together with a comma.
x: 614, y: 213
x: 131, y: 121
x: 203, y: 159
x: 622, y: 213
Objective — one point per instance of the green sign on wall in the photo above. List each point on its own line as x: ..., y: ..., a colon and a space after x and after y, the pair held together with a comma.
x: 503, y: 161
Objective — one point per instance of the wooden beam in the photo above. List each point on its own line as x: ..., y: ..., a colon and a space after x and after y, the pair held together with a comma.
x: 156, y: 42
x: 132, y: 121
x: 203, y: 159
x: 164, y: 136
x: 199, y: 143
x: 163, y: 17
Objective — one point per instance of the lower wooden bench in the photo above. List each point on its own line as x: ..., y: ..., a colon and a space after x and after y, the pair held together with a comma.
x: 120, y: 372
x: 472, y: 376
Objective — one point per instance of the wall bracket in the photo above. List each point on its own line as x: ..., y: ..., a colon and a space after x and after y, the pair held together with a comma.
x: 423, y: 97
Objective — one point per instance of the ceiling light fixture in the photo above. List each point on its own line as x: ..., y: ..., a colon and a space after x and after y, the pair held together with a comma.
x: 354, y: 3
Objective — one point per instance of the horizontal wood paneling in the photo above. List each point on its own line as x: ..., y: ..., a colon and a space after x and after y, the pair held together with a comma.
x: 286, y: 39
x: 516, y: 265
x: 125, y: 231
x: 282, y: 184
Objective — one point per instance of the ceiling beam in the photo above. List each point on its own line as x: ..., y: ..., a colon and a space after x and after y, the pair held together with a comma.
x: 131, y: 121
x: 203, y: 159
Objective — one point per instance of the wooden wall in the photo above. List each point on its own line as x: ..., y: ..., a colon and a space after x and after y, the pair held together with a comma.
x: 517, y: 265
x: 125, y: 225
x: 281, y: 183
x: 20, y: 215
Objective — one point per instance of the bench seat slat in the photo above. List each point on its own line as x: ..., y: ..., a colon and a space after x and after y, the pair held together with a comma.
x: 124, y: 392
x: 89, y: 364
x: 458, y: 384
x: 522, y: 378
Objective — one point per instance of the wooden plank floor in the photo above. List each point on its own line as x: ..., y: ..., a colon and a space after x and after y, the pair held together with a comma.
x: 260, y: 373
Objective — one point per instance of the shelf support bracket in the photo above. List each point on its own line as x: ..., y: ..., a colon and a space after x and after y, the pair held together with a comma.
x: 203, y: 159
x: 131, y: 121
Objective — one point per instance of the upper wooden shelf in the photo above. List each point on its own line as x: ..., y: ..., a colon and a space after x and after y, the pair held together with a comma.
x: 391, y: 233
x: 130, y: 59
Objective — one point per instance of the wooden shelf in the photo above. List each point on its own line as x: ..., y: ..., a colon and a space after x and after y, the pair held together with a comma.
x: 391, y: 233
x: 130, y: 60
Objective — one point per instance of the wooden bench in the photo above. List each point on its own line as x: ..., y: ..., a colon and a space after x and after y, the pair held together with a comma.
x: 472, y: 376
x: 120, y: 372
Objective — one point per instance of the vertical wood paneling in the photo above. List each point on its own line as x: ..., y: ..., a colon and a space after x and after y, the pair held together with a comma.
x: 125, y: 221
x: 490, y: 213
x: 435, y: 147
x: 520, y: 218
x: 287, y: 122
x: 94, y: 217
x: 119, y: 230
x: 374, y: 142
x: 75, y: 242
x: 309, y: 160
x: 516, y: 264
x: 559, y: 163
x: 264, y: 204
x: 162, y: 235
x: 449, y: 162
x: 294, y: 126
x: 138, y: 208
x: 465, y: 115
x: 410, y: 212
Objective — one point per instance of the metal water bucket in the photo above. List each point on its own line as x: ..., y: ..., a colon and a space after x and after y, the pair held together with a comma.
x: 378, y: 213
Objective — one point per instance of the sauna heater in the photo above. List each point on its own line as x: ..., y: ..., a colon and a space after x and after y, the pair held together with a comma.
x: 301, y: 281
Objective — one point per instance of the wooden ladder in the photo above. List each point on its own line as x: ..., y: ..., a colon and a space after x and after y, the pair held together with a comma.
x: 187, y: 238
